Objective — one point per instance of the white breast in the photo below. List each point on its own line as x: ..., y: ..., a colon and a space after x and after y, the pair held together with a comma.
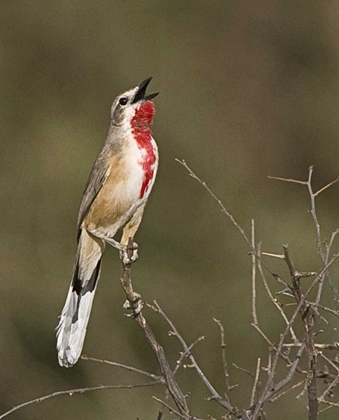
x: 127, y: 191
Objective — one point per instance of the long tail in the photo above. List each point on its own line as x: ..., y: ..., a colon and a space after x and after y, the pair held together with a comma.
x: 74, y: 318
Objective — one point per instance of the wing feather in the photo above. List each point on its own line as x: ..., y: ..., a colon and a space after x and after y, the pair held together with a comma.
x: 96, y: 180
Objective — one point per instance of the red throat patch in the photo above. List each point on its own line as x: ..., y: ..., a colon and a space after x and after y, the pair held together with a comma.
x: 140, y: 128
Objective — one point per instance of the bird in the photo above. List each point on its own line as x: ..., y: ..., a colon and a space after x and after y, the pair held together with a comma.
x: 114, y: 198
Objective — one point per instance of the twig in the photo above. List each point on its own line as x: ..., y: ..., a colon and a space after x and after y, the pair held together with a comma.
x: 324, y: 256
x: 320, y: 346
x: 224, y: 360
x: 267, y: 390
x: 333, y: 236
x: 281, y: 394
x: 254, y: 293
x: 178, y: 364
x: 134, y: 303
x: 330, y: 405
x: 282, y: 313
x: 231, y: 218
x: 185, y: 354
x: 243, y: 370
x: 169, y: 407
x: 269, y: 254
x: 130, y: 368
x: 302, y: 308
x: 291, y: 372
x: 308, y: 321
x: 222, y: 207
x: 255, y: 383
x: 215, y: 395
x: 268, y: 387
x: 329, y: 361
x: 326, y: 186
x: 329, y: 388
x: 302, y: 393
x: 71, y: 392
x: 317, y: 228
x: 271, y: 390
x: 294, y: 181
x: 264, y: 336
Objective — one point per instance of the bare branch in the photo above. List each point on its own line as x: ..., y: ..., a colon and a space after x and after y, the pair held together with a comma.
x: 270, y: 390
x: 71, y: 392
x: 317, y: 227
x: 222, y: 207
x: 329, y: 404
x: 270, y: 254
x: 303, y: 391
x: 292, y: 370
x: 281, y: 394
x: 231, y: 218
x: 269, y: 384
x: 130, y: 368
x: 134, y: 302
x: 243, y: 370
x: 324, y: 257
x: 224, y: 360
x: 255, y: 383
x: 274, y: 301
x: 329, y: 361
x: 303, y: 307
x: 169, y: 407
x: 333, y: 383
x: 320, y: 346
x: 254, y: 271
x: 324, y: 308
x: 326, y: 186
x: 215, y: 395
x: 185, y: 354
x: 264, y: 336
x: 294, y: 181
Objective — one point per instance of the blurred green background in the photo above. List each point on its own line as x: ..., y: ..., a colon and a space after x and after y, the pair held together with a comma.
x: 248, y: 89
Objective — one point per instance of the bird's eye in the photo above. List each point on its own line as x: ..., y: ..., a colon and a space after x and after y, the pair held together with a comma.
x: 123, y: 101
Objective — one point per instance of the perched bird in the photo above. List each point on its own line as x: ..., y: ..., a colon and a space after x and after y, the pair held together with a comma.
x: 115, y: 196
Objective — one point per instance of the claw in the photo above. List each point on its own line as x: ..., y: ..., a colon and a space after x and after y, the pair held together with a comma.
x: 136, y: 306
x: 129, y: 254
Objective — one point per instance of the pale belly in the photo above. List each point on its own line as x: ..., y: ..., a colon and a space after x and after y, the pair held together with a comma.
x: 119, y: 196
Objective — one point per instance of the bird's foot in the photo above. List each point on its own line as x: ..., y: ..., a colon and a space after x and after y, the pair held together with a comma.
x: 135, y: 306
x: 129, y: 254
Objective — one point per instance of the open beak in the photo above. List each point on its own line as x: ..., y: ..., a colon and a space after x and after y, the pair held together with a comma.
x: 140, y: 95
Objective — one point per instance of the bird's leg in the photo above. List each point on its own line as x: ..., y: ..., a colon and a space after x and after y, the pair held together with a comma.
x: 107, y: 239
x: 134, y: 301
x: 130, y: 253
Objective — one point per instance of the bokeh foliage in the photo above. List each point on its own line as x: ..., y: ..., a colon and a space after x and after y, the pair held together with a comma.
x: 248, y: 89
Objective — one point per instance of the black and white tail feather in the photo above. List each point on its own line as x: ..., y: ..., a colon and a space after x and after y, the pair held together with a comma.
x: 71, y: 330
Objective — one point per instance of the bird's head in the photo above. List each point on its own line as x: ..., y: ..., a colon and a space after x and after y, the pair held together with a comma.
x: 134, y: 108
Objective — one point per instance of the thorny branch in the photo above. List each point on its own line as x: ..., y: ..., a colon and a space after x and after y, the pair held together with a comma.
x: 308, y: 310
x: 266, y: 386
x: 324, y: 254
x: 134, y: 300
x: 71, y: 392
x: 224, y: 360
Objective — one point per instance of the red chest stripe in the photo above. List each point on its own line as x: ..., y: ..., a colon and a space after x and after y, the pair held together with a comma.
x: 140, y: 128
